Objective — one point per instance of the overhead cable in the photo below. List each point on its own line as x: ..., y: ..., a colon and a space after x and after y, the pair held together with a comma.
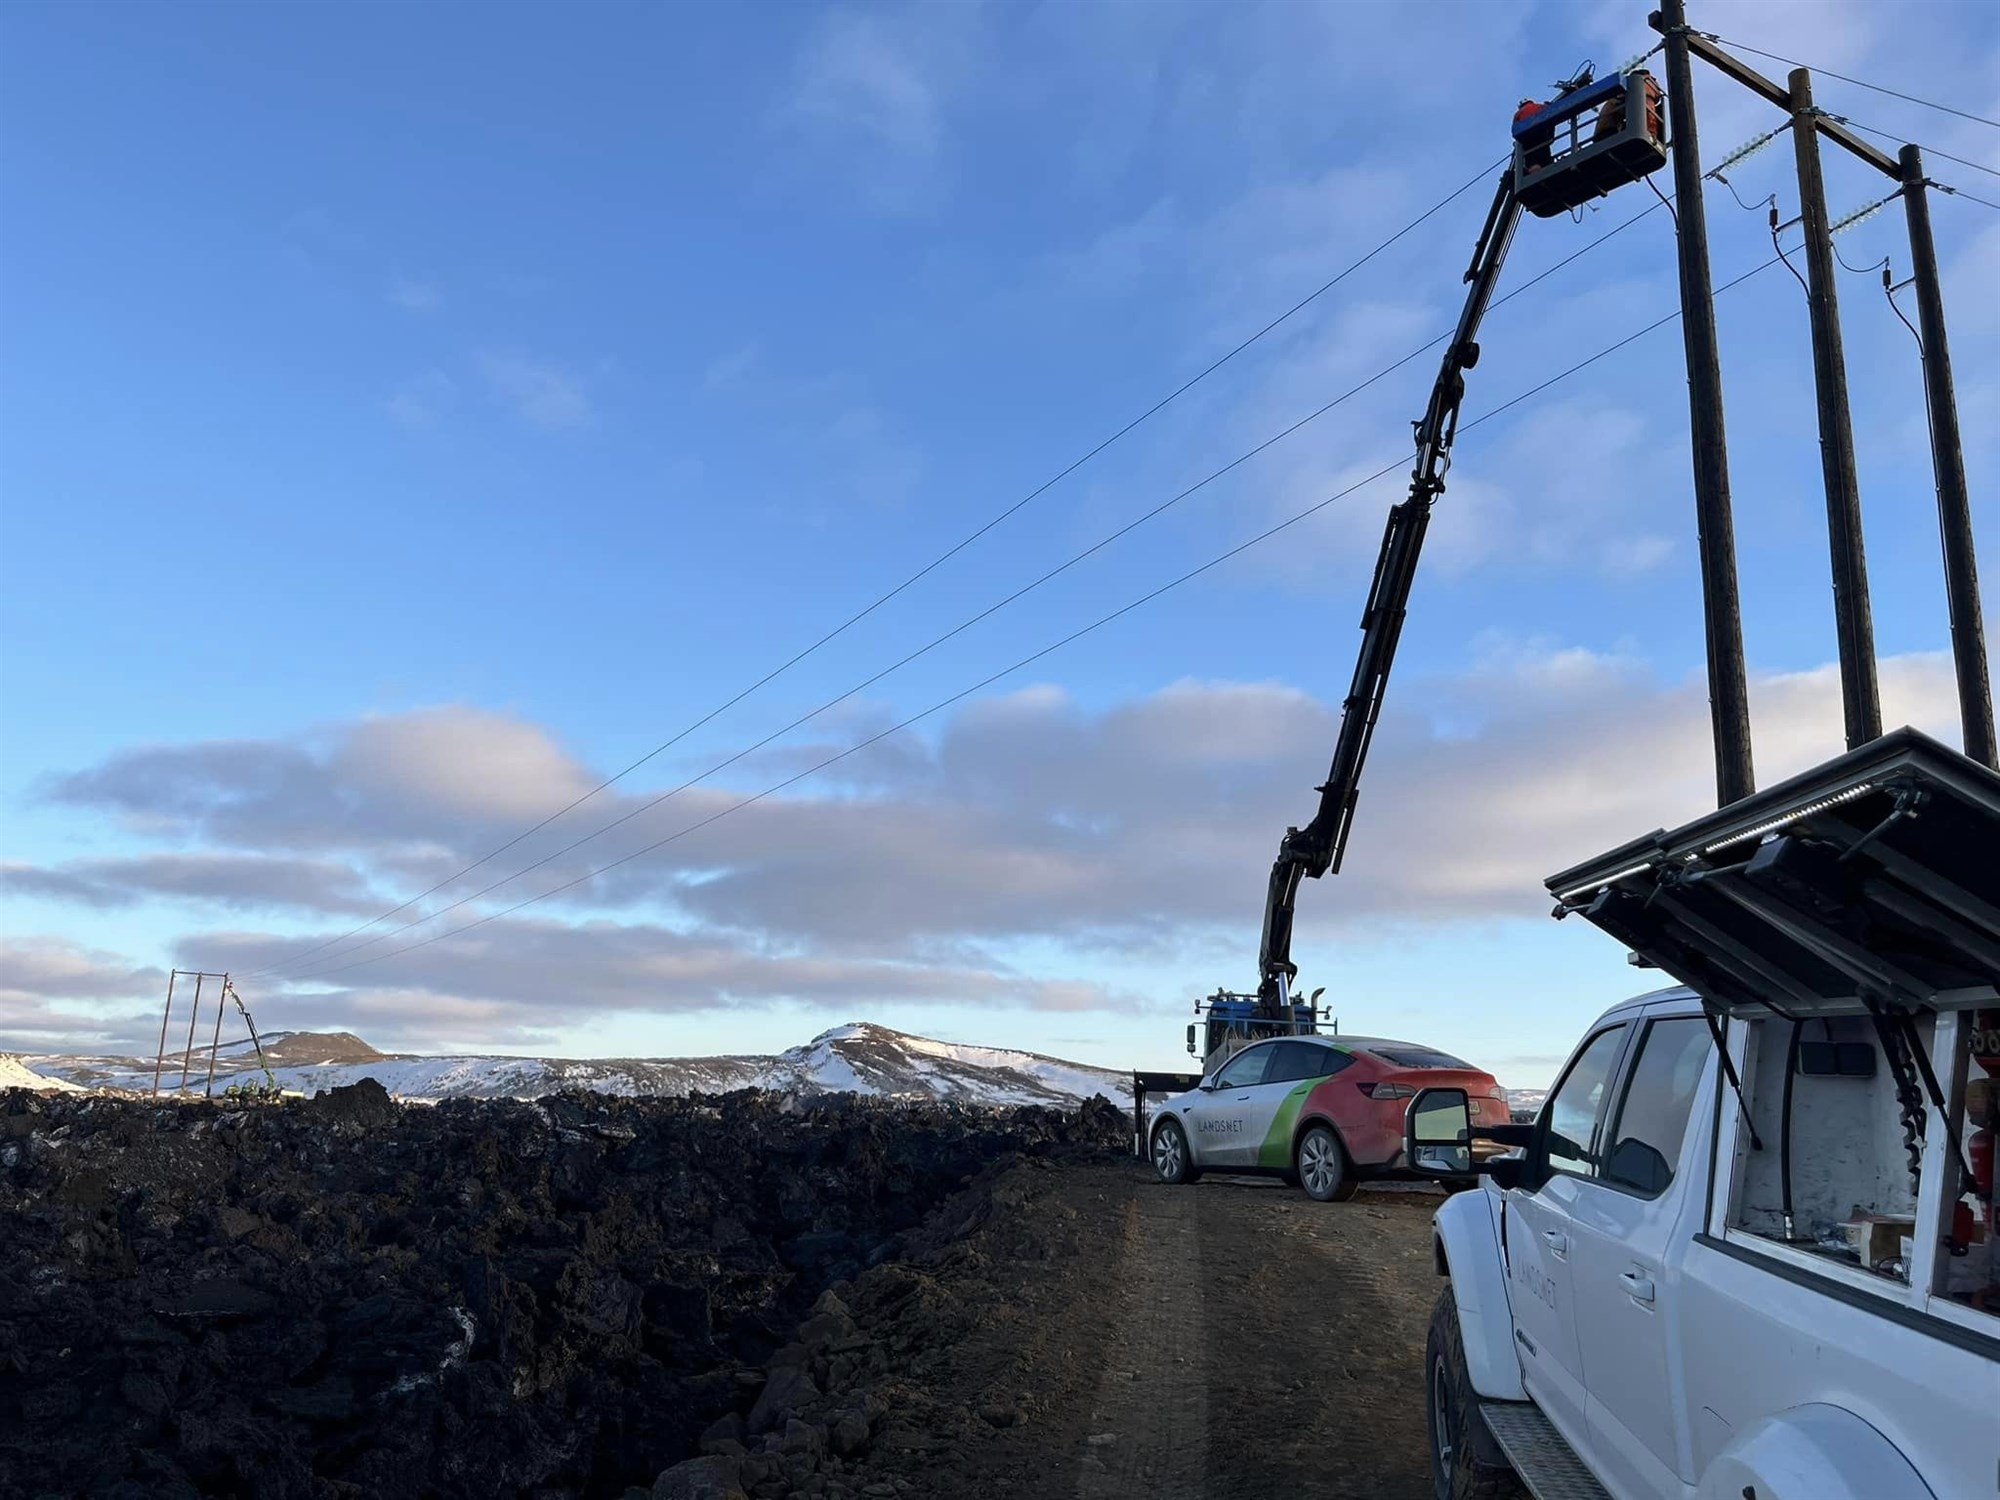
x: 960, y: 628
x: 1962, y: 193
x: 1860, y: 83
x: 936, y: 562
x: 1029, y: 660
x: 1886, y: 135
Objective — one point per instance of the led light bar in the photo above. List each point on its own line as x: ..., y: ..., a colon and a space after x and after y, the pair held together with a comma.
x: 1598, y: 885
x: 1771, y: 825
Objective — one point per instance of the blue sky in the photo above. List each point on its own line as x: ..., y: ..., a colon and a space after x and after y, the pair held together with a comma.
x: 412, y: 416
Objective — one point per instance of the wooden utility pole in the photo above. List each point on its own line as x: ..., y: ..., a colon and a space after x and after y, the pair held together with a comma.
x: 1860, y: 698
x: 160, y: 1057
x: 215, y: 1042
x: 1968, y: 634
x: 187, y: 1057
x: 1961, y: 568
x: 1722, y: 611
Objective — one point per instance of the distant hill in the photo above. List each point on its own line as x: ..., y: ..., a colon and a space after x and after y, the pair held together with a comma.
x: 859, y: 1058
x: 310, y: 1047
x: 15, y: 1073
x: 1525, y: 1104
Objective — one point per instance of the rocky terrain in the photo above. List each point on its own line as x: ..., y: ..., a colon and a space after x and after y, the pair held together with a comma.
x: 349, y: 1297
x: 857, y: 1058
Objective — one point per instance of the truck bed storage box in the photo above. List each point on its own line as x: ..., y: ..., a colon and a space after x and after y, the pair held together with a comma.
x: 1848, y: 922
x: 1835, y: 1177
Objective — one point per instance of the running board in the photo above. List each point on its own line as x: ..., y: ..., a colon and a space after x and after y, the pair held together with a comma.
x: 1545, y: 1462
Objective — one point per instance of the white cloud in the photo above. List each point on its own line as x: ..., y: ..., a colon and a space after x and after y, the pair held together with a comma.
x: 57, y: 969
x: 254, y: 881
x: 420, y: 401
x: 414, y: 296
x: 542, y: 395
x: 871, y: 96
x: 733, y: 367
x: 1145, y: 830
x: 858, y: 72
x: 447, y: 777
x: 460, y: 761
x: 53, y: 993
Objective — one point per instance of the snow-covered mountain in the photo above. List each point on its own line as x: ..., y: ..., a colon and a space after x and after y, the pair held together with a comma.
x: 16, y: 1074
x: 858, y: 1058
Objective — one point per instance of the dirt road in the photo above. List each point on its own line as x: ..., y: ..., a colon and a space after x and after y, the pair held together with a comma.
x: 1125, y: 1339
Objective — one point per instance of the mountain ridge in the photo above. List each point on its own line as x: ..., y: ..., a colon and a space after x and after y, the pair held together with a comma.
x: 859, y: 1057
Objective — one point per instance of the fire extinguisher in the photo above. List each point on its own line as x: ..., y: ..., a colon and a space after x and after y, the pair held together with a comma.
x: 1979, y: 1149
x: 1986, y: 1041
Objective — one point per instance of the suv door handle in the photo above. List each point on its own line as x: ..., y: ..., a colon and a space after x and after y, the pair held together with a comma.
x: 1638, y: 1288
x: 1556, y: 1240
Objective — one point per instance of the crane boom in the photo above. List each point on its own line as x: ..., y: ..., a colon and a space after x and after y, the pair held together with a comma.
x: 1319, y: 845
x: 1594, y: 137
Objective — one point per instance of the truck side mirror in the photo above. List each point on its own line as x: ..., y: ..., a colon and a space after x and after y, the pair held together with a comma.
x: 1190, y: 1040
x: 1437, y: 1133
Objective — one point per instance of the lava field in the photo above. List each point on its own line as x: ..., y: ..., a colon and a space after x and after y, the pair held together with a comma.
x: 579, y: 1296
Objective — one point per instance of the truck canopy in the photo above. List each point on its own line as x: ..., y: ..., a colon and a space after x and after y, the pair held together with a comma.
x: 1871, y: 880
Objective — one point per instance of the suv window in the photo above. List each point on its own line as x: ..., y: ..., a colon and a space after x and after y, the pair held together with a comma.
x: 1570, y: 1117
x: 1653, y: 1117
x: 1420, y: 1057
x: 1245, y: 1068
x: 1298, y: 1061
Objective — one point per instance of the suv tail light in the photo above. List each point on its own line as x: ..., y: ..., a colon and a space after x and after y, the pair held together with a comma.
x: 1387, y: 1090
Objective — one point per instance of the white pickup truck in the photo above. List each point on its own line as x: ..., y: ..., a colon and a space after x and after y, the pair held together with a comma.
x: 1746, y: 1250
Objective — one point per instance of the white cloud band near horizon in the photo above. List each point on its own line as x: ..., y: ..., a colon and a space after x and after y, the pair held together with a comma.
x: 1124, y: 840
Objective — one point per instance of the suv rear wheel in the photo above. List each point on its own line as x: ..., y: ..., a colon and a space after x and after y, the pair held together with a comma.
x: 1466, y: 1464
x: 1321, y: 1164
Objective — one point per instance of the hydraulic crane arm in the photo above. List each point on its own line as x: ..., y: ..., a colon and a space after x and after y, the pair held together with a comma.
x: 1317, y: 847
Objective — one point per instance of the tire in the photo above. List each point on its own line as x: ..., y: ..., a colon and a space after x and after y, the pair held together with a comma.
x: 1171, y: 1157
x: 1322, y: 1166
x: 1466, y: 1464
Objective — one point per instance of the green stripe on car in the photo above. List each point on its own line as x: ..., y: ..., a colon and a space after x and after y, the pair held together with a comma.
x: 1277, y: 1148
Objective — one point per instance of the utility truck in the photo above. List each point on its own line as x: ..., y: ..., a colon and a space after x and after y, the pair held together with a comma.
x: 1595, y: 136
x: 1746, y: 1249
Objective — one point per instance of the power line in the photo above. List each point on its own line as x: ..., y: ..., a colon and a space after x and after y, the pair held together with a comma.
x: 961, y: 627
x: 1969, y: 197
x: 1026, y: 661
x: 1886, y: 135
x: 973, y: 620
x: 1861, y: 83
x: 934, y: 563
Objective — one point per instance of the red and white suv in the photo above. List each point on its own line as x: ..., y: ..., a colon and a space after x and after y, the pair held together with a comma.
x: 1324, y: 1110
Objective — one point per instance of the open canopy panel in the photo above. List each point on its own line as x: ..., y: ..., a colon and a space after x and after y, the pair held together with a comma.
x: 1872, y: 879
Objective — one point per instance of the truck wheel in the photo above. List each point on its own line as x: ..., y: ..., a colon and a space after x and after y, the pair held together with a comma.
x: 1321, y: 1164
x: 1171, y: 1158
x: 1466, y: 1464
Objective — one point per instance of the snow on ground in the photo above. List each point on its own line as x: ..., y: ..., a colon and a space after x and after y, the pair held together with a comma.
x: 856, y: 1058
x: 16, y: 1074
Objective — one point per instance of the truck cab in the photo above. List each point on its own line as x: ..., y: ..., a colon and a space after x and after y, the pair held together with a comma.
x: 1227, y: 1022
x: 1747, y: 1249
